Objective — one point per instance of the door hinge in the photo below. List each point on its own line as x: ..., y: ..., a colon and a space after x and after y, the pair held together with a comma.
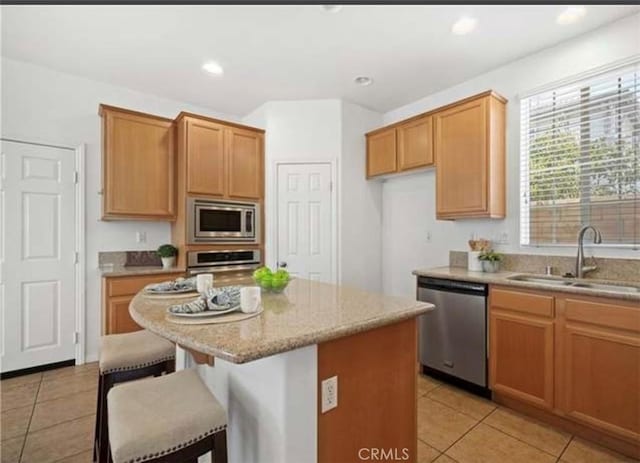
x: 76, y: 176
x: 76, y: 337
x: 330, y: 186
x: 76, y: 257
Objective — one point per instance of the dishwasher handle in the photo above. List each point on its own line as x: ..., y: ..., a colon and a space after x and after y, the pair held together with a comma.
x: 454, y: 286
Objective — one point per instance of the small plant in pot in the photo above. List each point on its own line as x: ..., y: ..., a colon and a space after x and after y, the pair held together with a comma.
x: 490, y: 260
x: 167, y: 253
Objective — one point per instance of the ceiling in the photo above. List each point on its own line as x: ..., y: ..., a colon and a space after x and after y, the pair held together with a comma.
x: 284, y: 52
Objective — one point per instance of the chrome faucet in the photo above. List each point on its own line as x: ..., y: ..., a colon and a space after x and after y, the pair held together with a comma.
x: 581, y: 269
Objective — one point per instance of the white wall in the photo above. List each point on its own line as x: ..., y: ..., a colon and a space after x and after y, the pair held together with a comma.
x: 323, y: 130
x: 361, y: 203
x: 408, y: 202
x: 39, y: 104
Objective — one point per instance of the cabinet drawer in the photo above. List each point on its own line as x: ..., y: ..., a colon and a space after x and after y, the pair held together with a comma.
x: 603, y: 313
x: 129, y: 285
x: 520, y: 301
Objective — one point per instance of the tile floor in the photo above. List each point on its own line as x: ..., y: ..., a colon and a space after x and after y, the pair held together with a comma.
x: 454, y: 426
x: 49, y: 417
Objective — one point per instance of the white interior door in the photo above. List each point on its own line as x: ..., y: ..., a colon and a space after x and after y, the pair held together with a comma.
x: 38, y: 265
x: 306, y: 220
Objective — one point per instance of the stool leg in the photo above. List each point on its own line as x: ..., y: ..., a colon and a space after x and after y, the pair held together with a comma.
x: 96, y: 435
x: 220, y: 447
x: 107, y: 383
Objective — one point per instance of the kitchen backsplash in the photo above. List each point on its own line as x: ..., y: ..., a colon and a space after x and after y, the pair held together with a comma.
x: 129, y: 258
x: 608, y: 268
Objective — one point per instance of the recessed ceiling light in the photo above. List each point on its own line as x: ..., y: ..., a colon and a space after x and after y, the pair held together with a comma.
x: 363, y: 80
x: 332, y: 8
x: 464, y: 25
x: 571, y: 14
x: 213, y: 68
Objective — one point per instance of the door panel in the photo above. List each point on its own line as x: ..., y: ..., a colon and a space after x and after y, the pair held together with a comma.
x: 305, y: 219
x: 381, y: 153
x: 245, y: 164
x: 461, y: 158
x: 38, y: 225
x: 415, y: 144
x: 205, y: 158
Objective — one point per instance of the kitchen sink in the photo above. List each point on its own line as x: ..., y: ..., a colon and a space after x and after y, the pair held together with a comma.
x: 620, y: 288
x: 576, y: 284
x: 541, y: 280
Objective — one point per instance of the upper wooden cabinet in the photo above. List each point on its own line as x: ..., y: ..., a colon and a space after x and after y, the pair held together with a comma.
x: 220, y: 159
x: 138, y: 162
x: 415, y: 143
x: 205, y: 157
x: 470, y: 159
x: 381, y: 153
x: 400, y: 147
x: 246, y: 164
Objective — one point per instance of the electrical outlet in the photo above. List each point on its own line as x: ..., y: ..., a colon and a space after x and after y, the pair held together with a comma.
x: 329, y: 394
x: 141, y: 237
x: 428, y: 236
x: 502, y: 238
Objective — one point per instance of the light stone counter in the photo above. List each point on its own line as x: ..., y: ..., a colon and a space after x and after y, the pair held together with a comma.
x: 307, y: 313
x: 503, y: 278
x: 109, y: 270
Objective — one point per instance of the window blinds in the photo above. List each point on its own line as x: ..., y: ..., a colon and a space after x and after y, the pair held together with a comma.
x: 580, y: 160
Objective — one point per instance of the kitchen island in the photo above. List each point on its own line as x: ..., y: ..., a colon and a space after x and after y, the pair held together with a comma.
x: 268, y: 372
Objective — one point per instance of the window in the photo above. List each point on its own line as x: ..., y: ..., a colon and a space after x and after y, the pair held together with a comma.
x: 580, y: 161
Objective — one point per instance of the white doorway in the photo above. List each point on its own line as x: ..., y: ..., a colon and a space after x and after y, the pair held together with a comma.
x: 306, y: 219
x: 42, y: 274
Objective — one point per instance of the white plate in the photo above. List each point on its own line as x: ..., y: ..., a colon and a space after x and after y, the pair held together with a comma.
x: 206, y: 313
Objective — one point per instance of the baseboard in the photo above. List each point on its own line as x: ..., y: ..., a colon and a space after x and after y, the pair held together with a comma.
x: 599, y: 437
x: 37, y: 369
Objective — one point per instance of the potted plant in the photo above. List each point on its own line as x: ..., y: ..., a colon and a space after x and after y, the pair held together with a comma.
x: 167, y: 253
x: 490, y: 260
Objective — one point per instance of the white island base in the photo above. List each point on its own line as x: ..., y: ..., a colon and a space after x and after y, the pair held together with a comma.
x: 271, y: 405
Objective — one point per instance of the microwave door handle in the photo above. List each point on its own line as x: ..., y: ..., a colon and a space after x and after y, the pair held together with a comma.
x: 243, y: 222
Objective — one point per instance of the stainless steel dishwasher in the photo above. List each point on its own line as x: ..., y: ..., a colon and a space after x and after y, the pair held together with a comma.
x: 453, y: 336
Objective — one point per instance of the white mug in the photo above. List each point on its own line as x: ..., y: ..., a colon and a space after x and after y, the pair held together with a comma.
x: 204, y: 282
x: 250, y: 297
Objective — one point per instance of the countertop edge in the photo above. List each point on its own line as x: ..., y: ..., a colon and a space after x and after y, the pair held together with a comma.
x: 135, y: 271
x: 286, y: 344
x: 502, y: 279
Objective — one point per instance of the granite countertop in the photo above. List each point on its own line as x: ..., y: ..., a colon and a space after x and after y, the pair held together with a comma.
x: 123, y: 270
x: 503, y: 278
x: 306, y: 313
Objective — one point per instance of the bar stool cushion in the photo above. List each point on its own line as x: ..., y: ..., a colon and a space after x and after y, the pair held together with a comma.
x: 130, y: 351
x: 154, y: 417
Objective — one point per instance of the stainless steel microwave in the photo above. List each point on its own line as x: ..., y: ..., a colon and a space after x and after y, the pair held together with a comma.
x: 212, y: 221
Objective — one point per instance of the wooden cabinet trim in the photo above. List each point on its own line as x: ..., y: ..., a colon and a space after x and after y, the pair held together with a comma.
x: 488, y: 93
x: 521, y: 301
x: 186, y: 114
x: 605, y: 313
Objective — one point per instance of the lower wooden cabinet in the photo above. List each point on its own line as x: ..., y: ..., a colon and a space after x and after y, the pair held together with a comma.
x: 577, y: 357
x: 599, y: 364
x: 521, y: 346
x: 117, y: 293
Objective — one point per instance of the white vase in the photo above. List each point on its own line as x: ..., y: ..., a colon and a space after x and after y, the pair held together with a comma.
x: 168, y: 262
x: 474, y: 264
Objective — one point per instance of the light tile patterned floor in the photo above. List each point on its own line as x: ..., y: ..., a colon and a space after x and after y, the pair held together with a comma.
x: 454, y: 426
x: 49, y: 418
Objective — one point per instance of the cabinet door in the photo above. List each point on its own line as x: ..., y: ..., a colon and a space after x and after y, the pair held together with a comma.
x: 118, y: 318
x: 381, y: 153
x: 461, y: 160
x: 205, y: 157
x: 521, y: 349
x: 246, y: 164
x: 415, y: 144
x: 138, y: 166
x: 600, y: 365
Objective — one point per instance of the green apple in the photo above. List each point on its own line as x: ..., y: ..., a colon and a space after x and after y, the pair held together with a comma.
x: 281, y: 274
x: 261, y: 273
